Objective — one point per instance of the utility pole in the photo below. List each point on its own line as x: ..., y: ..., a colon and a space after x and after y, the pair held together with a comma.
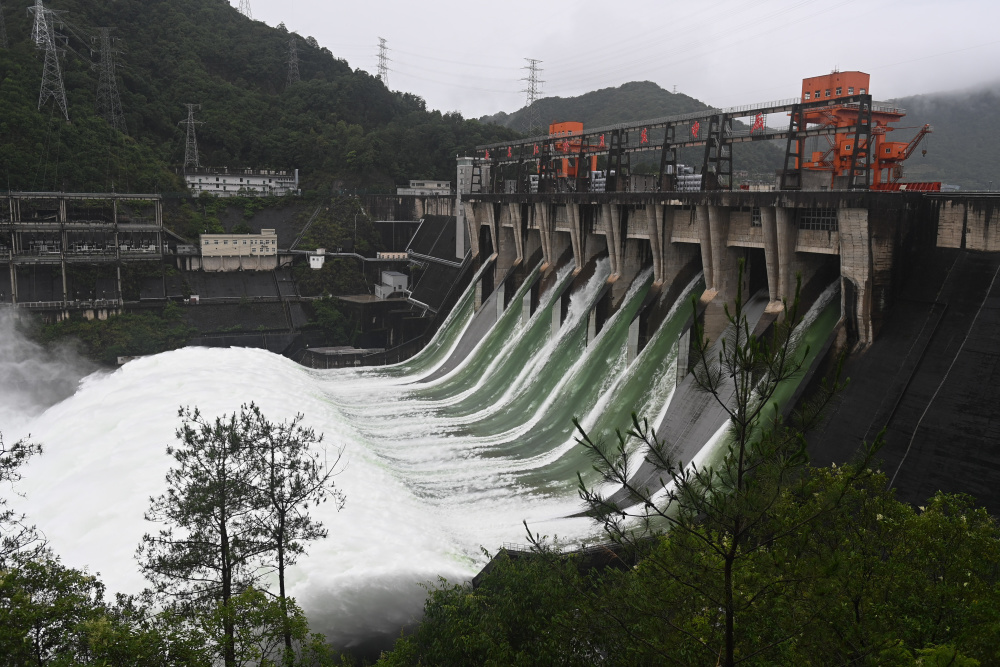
x: 191, y: 145
x: 109, y: 102
x: 245, y: 9
x: 383, y: 61
x: 3, y: 29
x: 293, y: 62
x: 533, y: 91
x: 43, y: 34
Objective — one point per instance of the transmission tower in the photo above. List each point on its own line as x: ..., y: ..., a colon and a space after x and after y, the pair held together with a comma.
x: 293, y: 62
x: 3, y: 29
x: 39, y: 29
x: 533, y: 91
x: 191, y: 145
x: 109, y: 102
x: 52, y: 82
x: 245, y: 9
x: 383, y: 61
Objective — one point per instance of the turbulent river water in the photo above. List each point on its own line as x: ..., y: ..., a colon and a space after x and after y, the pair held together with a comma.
x: 435, y: 470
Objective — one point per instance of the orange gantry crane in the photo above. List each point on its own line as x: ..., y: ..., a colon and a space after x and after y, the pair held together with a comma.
x: 850, y: 151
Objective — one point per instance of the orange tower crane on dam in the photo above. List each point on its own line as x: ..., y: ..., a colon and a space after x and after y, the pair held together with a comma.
x: 850, y: 151
x: 837, y: 107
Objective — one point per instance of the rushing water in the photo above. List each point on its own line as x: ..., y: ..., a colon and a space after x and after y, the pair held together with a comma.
x: 434, y: 470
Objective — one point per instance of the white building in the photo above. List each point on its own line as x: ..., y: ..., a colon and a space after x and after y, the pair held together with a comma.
x: 239, y: 252
x: 393, y: 282
x: 236, y: 182
x: 316, y: 261
x: 426, y: 188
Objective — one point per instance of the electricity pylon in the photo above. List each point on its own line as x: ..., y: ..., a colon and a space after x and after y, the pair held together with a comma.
x: 293, y: 62
x: 533, y: 91
x: 383, y: 61
x: 245, y: 9
x: 39, y: 28
x: 109, y: 102
x: 191, y: 144
x: 52, y: 82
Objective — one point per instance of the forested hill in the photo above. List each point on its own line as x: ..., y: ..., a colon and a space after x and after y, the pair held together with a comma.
x: 340, y: 127
x: 634, y: 101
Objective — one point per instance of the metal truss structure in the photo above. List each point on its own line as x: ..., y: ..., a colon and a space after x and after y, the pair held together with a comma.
x: 293, y: 62
x: 532, y: 93
x: 191, y: 142
x: 383, y: 61
x: 712, y: 129
x: 44, y: 36
x: 109, y: 102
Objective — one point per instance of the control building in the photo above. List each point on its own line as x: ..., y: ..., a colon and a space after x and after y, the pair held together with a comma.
x: 239, y: 252
x: 241, y: 182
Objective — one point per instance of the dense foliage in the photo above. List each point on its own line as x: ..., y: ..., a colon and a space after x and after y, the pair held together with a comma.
x: 128, y: 334
x: 337, y: 125
x: 877, y: 582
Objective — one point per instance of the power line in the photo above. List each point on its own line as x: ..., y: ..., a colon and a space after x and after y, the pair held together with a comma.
x: 532, y: 92
x: 383, y: 61
x: 293, y: 62
x: 191, y: 143
x: 245, y: 9
x: 109, y: 102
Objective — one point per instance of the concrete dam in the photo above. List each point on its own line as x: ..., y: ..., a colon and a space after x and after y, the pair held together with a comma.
x: 452, y: 449
x: 904, y: 282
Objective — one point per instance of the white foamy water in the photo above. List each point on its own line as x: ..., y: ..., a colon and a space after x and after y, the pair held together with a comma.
x: 418, y: 507
x: 423, y: 496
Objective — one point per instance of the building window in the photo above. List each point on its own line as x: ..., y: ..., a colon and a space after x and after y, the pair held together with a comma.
x: 840, y: 91
x: 807, y: 94
x: 861, y: 92
x: 818, y: 218
x: 827, y: 93
x: 755, y: 219
x: 850, y: 90
x: 817, y: 95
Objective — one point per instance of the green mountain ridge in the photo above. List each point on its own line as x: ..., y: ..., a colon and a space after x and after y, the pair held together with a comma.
x: 340, y: 127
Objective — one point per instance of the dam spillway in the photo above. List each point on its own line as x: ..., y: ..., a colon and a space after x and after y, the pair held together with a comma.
x: 437, y: 466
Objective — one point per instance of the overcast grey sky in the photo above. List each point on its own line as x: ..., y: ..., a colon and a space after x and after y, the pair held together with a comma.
x: 467, y: 56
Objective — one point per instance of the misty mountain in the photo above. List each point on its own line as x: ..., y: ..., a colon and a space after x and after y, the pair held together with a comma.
x: 964, y: 147
x: 642, y: 100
